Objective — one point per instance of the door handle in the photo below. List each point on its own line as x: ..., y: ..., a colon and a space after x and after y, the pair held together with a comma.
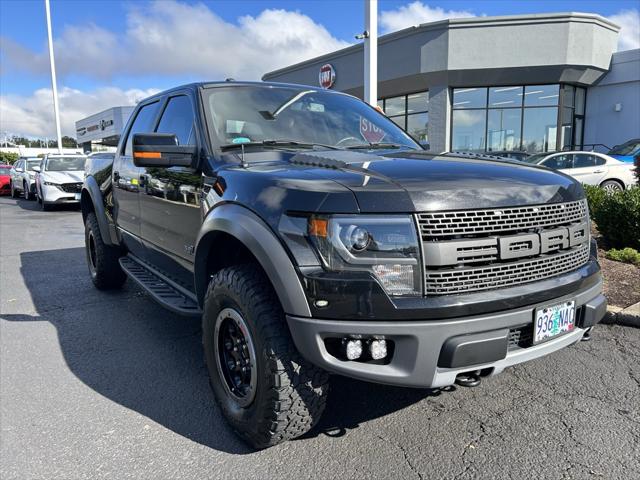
x: 598, y: 171
x: 116, y: 177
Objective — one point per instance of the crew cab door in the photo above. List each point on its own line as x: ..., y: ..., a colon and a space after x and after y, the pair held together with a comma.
x: 126, y: 176
x: 170, y: 196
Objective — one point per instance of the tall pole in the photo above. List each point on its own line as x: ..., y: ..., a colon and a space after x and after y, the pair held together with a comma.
x: 371, y: 52
x: 54, y: 83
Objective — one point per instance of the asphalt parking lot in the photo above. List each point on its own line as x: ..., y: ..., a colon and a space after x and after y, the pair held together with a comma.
x: 110, y: 385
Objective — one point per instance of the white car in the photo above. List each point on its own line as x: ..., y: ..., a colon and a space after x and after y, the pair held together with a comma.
x: 23, y: 177
x: 591, y: 168
x: 59, y: 180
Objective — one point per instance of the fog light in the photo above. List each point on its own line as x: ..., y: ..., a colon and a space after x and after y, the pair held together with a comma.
x: 378, y: 349
x: 353, y: 349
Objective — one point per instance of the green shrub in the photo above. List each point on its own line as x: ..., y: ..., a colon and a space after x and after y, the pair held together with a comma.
x: 617, y: 216
x: 626, y: 255
x: 8, y: 157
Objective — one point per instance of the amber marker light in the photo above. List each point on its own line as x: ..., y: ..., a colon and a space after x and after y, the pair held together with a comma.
x: 318, y: 227
x: 147, y: 155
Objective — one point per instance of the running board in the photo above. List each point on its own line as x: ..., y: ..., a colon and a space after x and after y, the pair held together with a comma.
x: 163, y: 290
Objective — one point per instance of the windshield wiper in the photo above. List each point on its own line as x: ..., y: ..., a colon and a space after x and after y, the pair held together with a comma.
x: 279, y: 143
x: 372, y: 146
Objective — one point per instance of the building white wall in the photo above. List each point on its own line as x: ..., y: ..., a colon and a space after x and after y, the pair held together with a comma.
x: 621, y: 85
x: 34, y: 152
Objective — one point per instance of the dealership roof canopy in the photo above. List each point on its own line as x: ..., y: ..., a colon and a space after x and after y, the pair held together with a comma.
x: 523, y: 49
x: 104, y: 127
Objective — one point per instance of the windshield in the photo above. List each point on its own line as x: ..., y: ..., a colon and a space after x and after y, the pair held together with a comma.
x: 626, y: 148
x: 32, y: 163
x: 65, y: 164
x: 255, y: 114
x: 537, y: 158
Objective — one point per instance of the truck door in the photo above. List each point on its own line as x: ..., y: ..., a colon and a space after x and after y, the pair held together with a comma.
x: 126, y: 176
x: 170, y: 197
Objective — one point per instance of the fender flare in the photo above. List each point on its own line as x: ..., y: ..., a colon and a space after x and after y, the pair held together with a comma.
x: 92, y: 189
x: 244, y: 225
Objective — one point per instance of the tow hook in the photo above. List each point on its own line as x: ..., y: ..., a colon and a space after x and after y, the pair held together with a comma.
x: 587, y: 335
x: 468, y: 379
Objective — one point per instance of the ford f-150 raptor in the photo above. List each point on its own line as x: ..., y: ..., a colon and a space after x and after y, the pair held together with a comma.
x: 312, y: 235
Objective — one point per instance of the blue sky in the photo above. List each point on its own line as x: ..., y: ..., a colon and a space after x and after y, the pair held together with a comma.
x: 110, y: 51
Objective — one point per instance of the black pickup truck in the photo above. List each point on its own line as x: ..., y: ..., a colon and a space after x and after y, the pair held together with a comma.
x: 312, y: 235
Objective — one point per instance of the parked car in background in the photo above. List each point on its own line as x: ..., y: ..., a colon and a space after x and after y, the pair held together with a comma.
x: 590, y: 168
x: 627, y: 151
x: 23, y: 177
x: 59, y: 180
x: 514, y: 155
x: 5, y: 179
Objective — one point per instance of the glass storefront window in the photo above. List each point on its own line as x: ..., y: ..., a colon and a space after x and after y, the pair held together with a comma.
x: 540, y: 129
x: 469, y: 98
x: 409, y: 112
x: 503, y: 129
x: 504, y: 97
x: 468, y: 133
x: 541, y: 95
x: 417, y: 126
x: 418, y: 102
x: 394, y: 106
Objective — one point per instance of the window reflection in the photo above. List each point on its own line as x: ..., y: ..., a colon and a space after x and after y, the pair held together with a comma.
x: 469, y: 128
x: 417, y: 126
x: 409, y: 112
x: 540, y: 129
x: 503, y: 130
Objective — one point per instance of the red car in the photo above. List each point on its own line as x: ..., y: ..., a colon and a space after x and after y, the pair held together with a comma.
x: 5, y: 180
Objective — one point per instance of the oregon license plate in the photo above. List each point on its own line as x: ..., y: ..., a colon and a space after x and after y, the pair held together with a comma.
x: 553, y: 321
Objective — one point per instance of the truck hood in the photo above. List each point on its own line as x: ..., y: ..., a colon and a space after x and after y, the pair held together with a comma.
x: 415, y: 182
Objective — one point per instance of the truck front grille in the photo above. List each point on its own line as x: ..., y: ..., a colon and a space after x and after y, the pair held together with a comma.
x: 474, y: 250
x: 495, y: 220
x: 71, y: 187
x: 505, y: 274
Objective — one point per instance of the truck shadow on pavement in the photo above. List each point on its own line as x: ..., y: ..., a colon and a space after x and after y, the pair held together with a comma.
x: 34, y: 206
x: 130, y: 350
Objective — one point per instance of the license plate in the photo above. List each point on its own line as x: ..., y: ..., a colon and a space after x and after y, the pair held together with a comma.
x: 77, y: 196
x: 553, y: 321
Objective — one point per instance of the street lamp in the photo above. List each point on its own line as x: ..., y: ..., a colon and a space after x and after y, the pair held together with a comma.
x: 54, y: 83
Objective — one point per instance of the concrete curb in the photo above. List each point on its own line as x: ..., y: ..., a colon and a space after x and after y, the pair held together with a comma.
x: 629, y: 316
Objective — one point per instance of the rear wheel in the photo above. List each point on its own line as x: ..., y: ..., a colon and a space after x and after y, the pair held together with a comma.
x: 102, y: 259
x: 612, y: 186
x: 265, y: 389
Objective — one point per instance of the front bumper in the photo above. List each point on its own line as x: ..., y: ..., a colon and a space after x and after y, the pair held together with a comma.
x: 421, y: 346
x: 51, y: 194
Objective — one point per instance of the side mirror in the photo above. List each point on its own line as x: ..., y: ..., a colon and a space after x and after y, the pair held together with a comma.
x: 36, y: 169
x: 162, y: 150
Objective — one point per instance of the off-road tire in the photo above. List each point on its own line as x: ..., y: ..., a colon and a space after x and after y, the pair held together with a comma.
x: 290, y: 394
x: 102, y: 259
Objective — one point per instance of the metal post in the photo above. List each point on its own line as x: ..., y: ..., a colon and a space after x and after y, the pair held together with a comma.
x: 371, y: 52
x: 54, y: 83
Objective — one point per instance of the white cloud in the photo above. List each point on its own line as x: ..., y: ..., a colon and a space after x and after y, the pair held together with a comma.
x: 416, y: 13
x: 629, y: 22
x: 33, y: 115
x: 174, y: 38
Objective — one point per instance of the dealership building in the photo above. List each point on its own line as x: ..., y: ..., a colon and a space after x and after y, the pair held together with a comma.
x: 102, y: 128
x: 530, y: 82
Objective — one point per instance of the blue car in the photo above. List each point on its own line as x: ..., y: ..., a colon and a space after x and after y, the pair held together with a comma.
x: 627, y: 151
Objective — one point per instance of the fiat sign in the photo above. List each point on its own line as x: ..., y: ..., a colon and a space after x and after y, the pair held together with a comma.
x: 327, y: 76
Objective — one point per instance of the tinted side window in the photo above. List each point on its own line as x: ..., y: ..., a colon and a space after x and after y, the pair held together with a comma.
x: 558, y: 162
x: 178, y: 119
x: 581, y: 160
x: 142, y: 124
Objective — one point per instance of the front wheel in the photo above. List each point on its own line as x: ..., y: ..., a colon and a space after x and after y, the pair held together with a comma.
x: 265, y: 389
x: 27, y: 192
x: 102, y: 259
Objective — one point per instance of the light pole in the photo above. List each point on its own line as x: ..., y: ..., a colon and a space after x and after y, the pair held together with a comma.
x: 371, y: 52
x: 54, y: 83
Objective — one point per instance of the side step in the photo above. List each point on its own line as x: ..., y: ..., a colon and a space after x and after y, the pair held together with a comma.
x: 164, y: 291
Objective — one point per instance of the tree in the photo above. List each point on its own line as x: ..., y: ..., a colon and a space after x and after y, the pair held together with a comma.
x: 8, y: 157
x: 69, y: 142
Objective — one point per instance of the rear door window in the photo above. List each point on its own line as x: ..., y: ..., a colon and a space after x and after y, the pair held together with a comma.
x: 142, y: 124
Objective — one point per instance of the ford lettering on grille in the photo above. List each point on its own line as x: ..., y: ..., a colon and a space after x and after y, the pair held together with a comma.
x: 499, y: 248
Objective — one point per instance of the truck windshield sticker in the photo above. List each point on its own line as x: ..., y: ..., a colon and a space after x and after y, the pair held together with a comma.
x: 370, y: 132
